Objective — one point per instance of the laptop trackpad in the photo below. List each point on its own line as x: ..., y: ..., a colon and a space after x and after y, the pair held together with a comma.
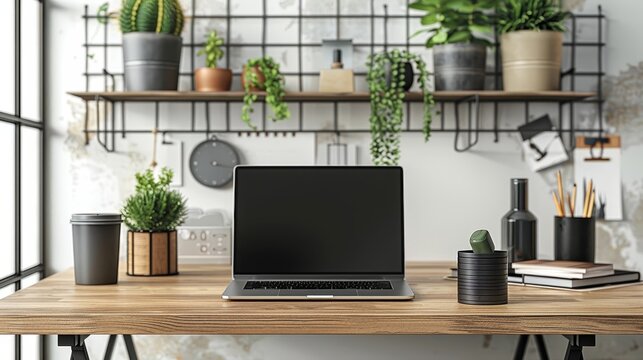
x: 320, y: 293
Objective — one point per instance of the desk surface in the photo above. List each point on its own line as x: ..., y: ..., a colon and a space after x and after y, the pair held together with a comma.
x: 190, y: 303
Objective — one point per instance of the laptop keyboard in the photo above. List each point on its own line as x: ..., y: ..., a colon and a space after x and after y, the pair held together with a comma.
x: 314, y: 285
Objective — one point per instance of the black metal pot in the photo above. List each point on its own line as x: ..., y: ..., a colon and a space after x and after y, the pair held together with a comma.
x: 409, y: 75
x: 151, y: 61
x: 459, y: 66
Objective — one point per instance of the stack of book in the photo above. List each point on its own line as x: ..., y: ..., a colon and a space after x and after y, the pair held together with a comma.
x: 571, y: 274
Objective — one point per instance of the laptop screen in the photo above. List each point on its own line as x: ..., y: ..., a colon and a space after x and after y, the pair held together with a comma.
x: 318, y: 220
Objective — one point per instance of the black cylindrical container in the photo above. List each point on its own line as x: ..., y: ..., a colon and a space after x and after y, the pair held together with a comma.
x: 409, y: 75
x: 574, y: 238
x: 519, y: 226
x: 96, y: 247
x: 482, y: 278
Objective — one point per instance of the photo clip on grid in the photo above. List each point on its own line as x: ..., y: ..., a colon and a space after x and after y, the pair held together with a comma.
x: 541, y: 144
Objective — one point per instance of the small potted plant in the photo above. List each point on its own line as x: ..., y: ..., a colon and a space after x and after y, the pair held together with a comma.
x: 531, y: 44
x: 454, y: 32
x: 151, y: 43
x: 387, y: 100
x: 262, y: 74
x: 211, y: 77
x: 152, y: 214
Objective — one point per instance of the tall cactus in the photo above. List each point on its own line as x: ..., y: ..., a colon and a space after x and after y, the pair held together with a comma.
x: 161, y: 16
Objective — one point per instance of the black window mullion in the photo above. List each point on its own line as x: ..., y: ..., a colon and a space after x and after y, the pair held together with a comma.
x: 16, y: 45
x: 17, y: 202
x: 17, y: 112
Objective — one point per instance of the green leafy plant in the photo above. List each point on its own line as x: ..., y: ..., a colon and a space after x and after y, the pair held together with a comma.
x: 154, y: 207
x: 515, y: 15
x: 161, y: 16
x: 273, y: 85
x: 212, y: 50
x: 385, y: 81
x: 455, y: 21
x: 102, y: 13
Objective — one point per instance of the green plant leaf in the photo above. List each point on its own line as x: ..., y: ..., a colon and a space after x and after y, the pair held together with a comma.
x: 146, y: 16
x: 102, y: 13
x: 425, y: 5
x: 430, y: 19
x: 440, y: 37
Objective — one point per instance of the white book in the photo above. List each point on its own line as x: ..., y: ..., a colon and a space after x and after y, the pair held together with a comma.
x: 564, y: 274
x: 562, y: 266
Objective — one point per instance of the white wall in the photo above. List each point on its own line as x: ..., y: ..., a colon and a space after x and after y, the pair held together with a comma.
x: 448, y: 194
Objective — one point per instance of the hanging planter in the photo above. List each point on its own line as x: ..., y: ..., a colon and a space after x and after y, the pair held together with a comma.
x: 263, y: 74
x: 386, y: 82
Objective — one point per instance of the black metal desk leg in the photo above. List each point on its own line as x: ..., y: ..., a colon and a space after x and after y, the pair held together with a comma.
x: 77, y: 344
x: 110, y: 347
x: 575, y: 345
x: 129, y: 344
x: 522, y: 346
x: 542, y: 349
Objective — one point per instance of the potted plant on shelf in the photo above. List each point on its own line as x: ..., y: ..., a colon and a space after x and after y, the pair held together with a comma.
x: 212, y: 78
x: 531, y: 44
x: 152, y: 214
x: 459, y: 51
x: 262, y: 74
x: 151, y: 43
x: 387, y: 100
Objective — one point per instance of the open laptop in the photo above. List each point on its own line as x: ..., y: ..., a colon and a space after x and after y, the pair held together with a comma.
x: 318, y: 233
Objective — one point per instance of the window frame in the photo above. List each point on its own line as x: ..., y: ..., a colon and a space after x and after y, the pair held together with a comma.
x: 19, y: 122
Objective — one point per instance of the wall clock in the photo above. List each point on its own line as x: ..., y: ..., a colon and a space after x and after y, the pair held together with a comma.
x: 212, y: 162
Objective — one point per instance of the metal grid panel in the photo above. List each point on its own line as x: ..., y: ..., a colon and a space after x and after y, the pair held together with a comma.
x: 472, y: 130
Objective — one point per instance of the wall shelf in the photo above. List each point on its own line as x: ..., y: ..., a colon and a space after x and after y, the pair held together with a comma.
x: 237, y: 96
x: 458, y: 112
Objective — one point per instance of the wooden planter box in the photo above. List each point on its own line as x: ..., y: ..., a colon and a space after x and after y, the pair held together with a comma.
x: 151, y: 253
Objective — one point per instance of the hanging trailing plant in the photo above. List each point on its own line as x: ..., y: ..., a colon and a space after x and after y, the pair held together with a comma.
x: 386, y: 77
x: 263, y: 74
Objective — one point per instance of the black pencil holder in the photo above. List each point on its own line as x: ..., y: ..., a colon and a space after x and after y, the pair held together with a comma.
x: 482, y: 278
x: 574, y: 238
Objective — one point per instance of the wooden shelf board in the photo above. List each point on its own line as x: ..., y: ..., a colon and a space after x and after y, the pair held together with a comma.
x: 234, y: 96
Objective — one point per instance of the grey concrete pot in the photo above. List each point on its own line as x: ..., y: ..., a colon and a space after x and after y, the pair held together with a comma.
x: 459, y: 66
x: 151, y: 61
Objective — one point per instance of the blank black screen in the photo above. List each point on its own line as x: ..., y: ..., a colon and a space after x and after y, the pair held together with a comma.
x: 318, y: 220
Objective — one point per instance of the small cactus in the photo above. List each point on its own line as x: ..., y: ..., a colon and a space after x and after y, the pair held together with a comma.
x: 161, y: 16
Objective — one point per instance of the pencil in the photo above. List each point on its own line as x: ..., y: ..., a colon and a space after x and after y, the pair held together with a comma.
x: 588, y: 194
x: 569, y: 202
x: 561, y: 194
x: 559, y: 211
x: 573, y: 203
x: 590, y: 208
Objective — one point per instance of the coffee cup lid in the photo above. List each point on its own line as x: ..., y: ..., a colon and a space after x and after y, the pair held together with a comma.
x: 96, y: 218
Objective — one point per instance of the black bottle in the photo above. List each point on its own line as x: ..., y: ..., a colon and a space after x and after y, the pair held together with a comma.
x: 519, y: 226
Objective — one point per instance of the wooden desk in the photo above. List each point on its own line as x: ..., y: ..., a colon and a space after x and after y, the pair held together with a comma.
x: 190, y: 303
